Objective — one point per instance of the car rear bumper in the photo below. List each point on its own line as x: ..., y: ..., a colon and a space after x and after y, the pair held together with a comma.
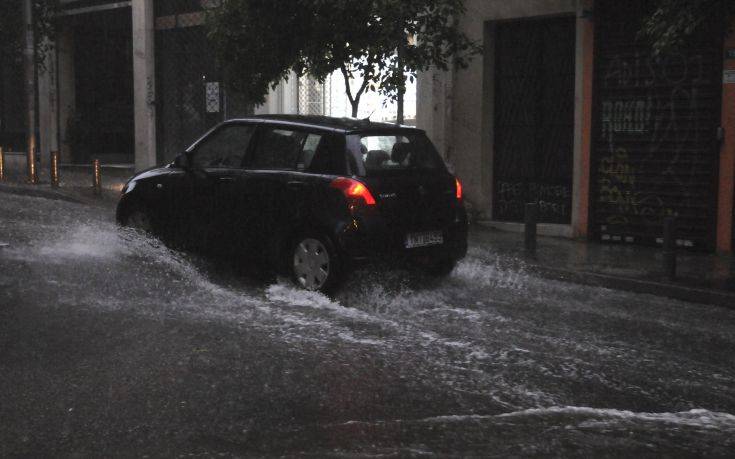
x: 371, y: 239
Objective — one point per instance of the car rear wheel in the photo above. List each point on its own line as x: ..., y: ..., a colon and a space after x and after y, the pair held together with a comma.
x: 441, y: 267
x: 314, y: 263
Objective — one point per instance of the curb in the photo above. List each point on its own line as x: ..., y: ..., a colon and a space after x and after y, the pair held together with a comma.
x: 677, y: 292
x: 60, y: 194
x: 39, y: 193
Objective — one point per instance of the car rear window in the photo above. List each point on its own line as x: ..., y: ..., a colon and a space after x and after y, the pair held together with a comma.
x: 396, y: 153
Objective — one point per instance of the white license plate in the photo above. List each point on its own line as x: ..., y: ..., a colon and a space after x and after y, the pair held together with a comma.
x: 424, y: 239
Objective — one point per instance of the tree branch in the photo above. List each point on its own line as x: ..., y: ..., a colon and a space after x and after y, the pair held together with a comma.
x: 346, y: 75
x: 365, y: 81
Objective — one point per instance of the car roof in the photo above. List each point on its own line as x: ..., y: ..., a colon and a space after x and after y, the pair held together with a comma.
x: 342, y: 125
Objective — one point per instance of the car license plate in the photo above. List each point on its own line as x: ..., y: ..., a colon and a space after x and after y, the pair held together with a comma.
x: 424, y: 239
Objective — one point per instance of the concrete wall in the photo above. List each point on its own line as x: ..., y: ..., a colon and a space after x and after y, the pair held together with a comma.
x: 48, y: 116
x: 456, y: 107
x: 144, y: 75
x: 57, y: 87
x: 726, y: 194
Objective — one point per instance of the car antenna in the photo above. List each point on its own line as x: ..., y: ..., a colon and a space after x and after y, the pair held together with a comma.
x: 368, y: 117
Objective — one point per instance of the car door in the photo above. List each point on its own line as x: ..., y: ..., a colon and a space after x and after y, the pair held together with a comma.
x: 212, y: 211
x: 275, y: 191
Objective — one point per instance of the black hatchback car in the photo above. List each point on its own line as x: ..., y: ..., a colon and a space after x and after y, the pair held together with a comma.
x: 311, y: 196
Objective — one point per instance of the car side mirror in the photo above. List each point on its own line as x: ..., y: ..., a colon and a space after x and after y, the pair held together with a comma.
x: 182, y: 161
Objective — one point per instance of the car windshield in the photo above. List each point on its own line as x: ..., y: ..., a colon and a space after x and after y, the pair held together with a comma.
x: 397, y: 153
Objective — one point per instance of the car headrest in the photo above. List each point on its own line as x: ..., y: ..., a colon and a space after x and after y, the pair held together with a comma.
x: 400, y: 152
x: 376, y: 158
x: 322, y: 161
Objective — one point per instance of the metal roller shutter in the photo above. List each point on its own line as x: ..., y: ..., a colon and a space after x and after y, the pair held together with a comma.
x: 655, y: 150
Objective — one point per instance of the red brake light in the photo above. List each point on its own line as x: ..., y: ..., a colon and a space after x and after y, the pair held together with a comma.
x: 354, y: 190
x: 459, y: 188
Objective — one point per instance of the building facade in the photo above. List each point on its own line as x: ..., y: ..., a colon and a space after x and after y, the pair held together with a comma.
x: 569, y: 107
x: 12, y: 101
x: 129, y: 82
x: 134, y: 82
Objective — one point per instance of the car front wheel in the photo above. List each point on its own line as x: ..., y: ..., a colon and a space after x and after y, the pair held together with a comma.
x: 140, y: 220
x: 315, y: 264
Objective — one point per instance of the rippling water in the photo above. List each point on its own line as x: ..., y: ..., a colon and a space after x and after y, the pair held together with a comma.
x: 542, y: 365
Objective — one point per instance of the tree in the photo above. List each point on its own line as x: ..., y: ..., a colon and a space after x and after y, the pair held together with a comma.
x: 259, y: 42
x: 11, y: 26
x: 673, y: 21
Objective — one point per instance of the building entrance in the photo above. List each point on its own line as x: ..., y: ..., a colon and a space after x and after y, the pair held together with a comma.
x: 534, y: 118
x: 102, y: 124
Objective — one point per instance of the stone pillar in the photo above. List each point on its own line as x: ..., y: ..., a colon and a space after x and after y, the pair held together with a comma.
x: 144, y: 83
x: 583, y: 118
x: 726, y: 188
x: 67, y: 90
x: 29, y: 65
x: 434, y: 94
x: 425, y: 103
x: 48, y: 112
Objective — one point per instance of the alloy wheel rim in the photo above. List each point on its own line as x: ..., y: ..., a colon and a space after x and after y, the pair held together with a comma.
x: 311, y: 264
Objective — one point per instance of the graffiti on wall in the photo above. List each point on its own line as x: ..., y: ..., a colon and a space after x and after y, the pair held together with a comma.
x: 618, y: 189
x: 626, y: 116
x: 553, y: 200
x: 651, y: 129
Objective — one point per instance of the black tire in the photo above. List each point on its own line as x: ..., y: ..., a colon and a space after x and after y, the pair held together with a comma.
x: 314, y: 263
x: 138, y: 219
x: 442, y: 267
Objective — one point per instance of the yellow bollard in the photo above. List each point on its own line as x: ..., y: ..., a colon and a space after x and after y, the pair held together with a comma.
x: 2, y: 164
x: 54, y: 168
x: 31, y: 159
x: 96, y: 177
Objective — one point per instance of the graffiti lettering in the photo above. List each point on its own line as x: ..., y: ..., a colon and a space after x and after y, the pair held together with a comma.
x: 648, y: 124
x: 553, y: 200
x: 632, y: 116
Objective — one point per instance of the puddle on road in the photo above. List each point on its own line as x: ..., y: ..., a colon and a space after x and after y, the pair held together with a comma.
x: 490, y: 332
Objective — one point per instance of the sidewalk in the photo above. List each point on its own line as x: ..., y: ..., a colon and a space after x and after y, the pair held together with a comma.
x: 75, y: 186
x: 701, y: 277
x: 76, y: 194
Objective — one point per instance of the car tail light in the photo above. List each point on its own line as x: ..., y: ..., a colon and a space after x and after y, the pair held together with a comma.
x: 459, y: 189
x: 354, y: 190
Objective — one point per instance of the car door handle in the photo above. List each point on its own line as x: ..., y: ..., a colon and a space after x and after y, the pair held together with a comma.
x: 296, y: 185
x: 226, y: 179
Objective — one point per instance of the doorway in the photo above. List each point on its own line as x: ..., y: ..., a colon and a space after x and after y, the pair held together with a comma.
x: 102, y: 126
x: 534, y: 118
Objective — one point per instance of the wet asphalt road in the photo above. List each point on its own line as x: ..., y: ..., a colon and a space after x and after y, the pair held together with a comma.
x: 113, y: 345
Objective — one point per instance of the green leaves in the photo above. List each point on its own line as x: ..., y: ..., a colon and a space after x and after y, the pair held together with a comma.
x: 11, y: 26
x: 672, y: 22
x: 259, y: 42
x: 256, y: 42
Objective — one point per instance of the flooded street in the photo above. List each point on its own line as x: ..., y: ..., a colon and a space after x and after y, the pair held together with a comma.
x: 112, y: 344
